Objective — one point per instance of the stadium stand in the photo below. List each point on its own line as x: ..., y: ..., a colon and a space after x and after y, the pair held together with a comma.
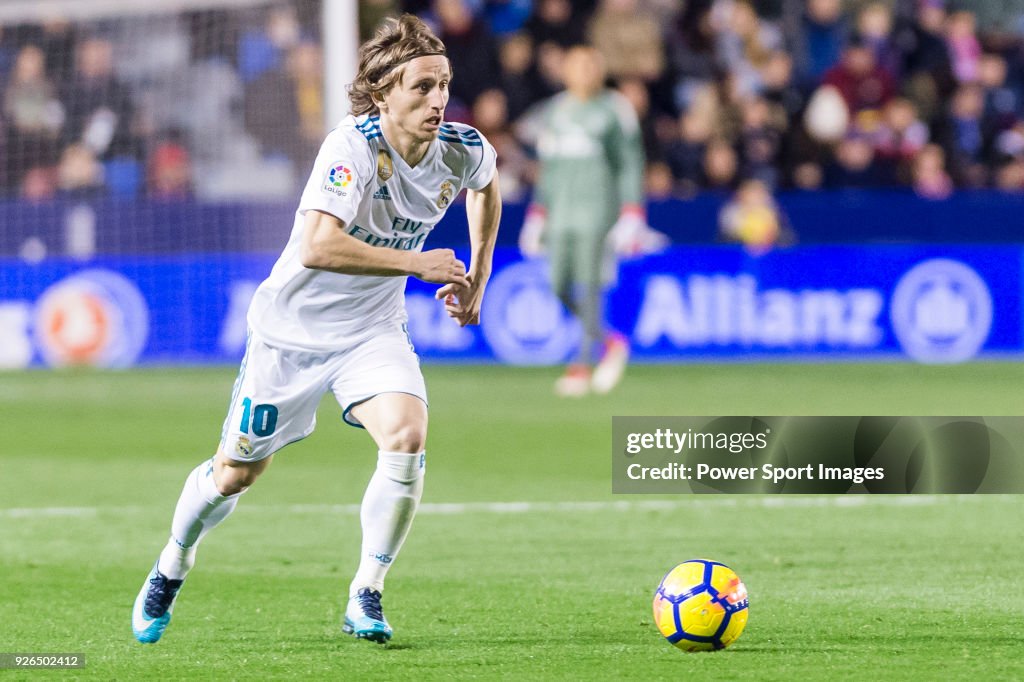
x: 934, y: 93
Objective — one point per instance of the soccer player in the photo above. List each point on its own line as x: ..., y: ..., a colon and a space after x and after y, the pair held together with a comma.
x: 331, y: 315
x: 591, y: 181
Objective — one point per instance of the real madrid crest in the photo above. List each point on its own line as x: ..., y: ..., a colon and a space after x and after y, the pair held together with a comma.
x: 446, y: 195
x: 384, y: 167
x: 243, y: 447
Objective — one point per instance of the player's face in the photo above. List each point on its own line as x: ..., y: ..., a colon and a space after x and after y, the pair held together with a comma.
x: 583, y: 71
x: 416, y: 103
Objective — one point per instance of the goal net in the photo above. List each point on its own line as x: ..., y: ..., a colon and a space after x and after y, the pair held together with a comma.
x: 156, y: 127
x: 151, y: 155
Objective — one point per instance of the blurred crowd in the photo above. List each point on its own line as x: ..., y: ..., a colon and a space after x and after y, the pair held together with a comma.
x: 218, y: 103
x: 787, y: 94
x: 793, y: 94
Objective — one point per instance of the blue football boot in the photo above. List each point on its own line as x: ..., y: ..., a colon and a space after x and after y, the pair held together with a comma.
x: 153, y: 606
x: 364, y: 617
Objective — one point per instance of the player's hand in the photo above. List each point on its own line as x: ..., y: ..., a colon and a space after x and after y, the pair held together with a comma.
x: 440, y: 266
x: 531, y: 236
x: 632, y: 236
x: 462, y: 303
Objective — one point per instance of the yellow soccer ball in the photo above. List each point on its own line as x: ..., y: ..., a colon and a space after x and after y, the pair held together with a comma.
x: 701, y: 605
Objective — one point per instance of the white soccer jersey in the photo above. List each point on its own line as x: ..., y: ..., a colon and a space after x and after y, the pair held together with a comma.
x: 362, y: 181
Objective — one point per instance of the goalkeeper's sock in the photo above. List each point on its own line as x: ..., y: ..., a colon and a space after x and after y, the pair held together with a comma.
x: 388, y: 508
x: 200, y: 508
x: 590, y: 314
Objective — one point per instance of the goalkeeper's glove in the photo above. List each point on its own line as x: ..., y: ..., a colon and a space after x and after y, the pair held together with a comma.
x: 632, y: 236
x: 531, y: 236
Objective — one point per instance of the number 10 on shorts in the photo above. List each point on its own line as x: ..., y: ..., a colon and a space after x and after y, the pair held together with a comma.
x: 263, y: 418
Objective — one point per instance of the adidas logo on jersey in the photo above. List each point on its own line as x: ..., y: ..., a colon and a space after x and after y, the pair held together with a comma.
x: 382, y: 194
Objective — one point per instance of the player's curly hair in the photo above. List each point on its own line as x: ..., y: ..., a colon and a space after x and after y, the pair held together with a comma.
x: 380, y: 60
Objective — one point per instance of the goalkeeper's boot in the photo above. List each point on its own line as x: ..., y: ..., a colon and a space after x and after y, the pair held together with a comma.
x: 153, y: 606
x: 364, y: 617
x: 575, y: 383
x: 612, y: 366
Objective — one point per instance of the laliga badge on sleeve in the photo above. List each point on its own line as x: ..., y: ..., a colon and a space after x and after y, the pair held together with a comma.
x: 339, y: 178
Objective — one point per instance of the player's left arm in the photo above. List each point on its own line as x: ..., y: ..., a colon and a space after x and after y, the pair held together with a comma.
x: 483, y: 212
x: 630, y: 235
x: 628, y: 151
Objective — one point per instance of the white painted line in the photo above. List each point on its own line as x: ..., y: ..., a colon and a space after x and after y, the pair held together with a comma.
x: 42, y: 512
x: 461, y: 508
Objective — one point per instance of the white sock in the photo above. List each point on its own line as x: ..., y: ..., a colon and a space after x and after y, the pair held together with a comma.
x: 388, y: 508
x: 200, y: 508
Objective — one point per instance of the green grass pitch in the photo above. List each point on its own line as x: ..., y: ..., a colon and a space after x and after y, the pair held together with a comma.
x: 840, y: 588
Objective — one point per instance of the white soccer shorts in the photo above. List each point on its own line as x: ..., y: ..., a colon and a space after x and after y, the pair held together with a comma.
x: 277, y: 391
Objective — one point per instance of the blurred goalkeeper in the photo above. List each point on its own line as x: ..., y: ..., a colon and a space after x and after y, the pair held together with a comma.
x: 587, y: 206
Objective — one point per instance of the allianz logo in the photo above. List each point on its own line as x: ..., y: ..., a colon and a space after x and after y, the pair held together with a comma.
x: 722, y: 310
x: 942, y: 312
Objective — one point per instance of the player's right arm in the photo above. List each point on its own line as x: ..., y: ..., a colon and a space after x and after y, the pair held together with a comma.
x: 326, y: 246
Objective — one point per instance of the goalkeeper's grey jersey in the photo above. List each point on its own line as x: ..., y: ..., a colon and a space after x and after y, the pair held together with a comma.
x: 591, y: 160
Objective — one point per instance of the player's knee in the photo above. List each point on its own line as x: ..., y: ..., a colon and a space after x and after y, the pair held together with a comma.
x: 234, y: 477
x: 406, y: 437
x: 232, y: 480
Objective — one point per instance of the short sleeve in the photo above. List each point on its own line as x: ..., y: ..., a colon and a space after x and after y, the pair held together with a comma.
x: 341, y: 173
x: 481, y: 162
